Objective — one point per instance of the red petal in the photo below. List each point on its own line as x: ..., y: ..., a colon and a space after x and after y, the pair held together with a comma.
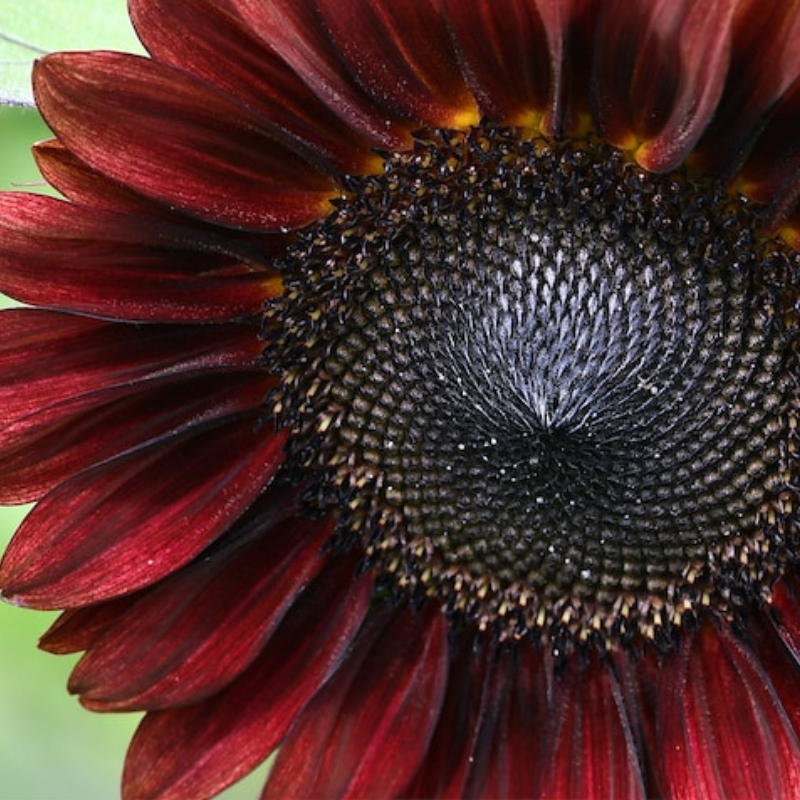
x: 197, y: 631
x: 765, y: 60
x: 49, y: 217
x: 506, y: 56
x: 773, y: 637
x: 211, y: 42
x: 198, y: 750
x: 76, y: 180
x: 401, y: 53
x: 638, y: 681
x: 86, y: 372
x: 292, y: 29
x: 123, y: 525
x: 60, y: 255
x: 723, y: 731
x: 487, y: 738
x: 786, y: 613
x: 39, y: 453
x: 50, y: 360
x: 86, y: 186
x: 771, y: 174
x: 511, y: 770
x: 78, y: 628
x: 177, y: 140
x: 449, y: 758
x: 659, y: 74
x: 571, y: 27
x: 588, y: 745
x: 383, y: 703
x: 503, y: 763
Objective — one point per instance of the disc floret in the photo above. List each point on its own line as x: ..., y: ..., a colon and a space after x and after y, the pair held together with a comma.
x: 544, y: 386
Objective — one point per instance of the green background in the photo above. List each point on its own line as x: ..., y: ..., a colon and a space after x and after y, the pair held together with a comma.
x: 50, y: 747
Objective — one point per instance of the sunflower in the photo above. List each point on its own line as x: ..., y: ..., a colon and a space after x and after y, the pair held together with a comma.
x: 411, y: 387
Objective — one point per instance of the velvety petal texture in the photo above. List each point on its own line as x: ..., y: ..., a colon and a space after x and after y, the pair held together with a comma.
x: 178, y: 523
x: 197, y: 750
x: 384, y: 699
x: 505, y: 56
x: 127, y: 270
x: 197, y: 35
x: 92, y: 524
x: 294, y: 31
x: 195, y: 148
x: 771, y: 41
x: 673, y: 55
x: 88, y: 369
x: 740, y: 749
x: 184, y: 623
x: 588, y: 746
x: 401, y: 54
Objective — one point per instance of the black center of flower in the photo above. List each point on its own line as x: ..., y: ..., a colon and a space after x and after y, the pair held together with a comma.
x: 550, y: 389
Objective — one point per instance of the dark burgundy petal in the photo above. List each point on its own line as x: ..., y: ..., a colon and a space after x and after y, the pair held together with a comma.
x: 211, y: 42
x: 723, y: 732
x: 588, y: 747
x: 401, y: 53
x: 513, y: 772
x: 637, y: 675
x: 194, y: 147
x: 772, y: 635
x: 771, y: 174
x: 293, y: 30
x: 77, y: 181
x: 786, y: 613
x: 506, y: 56
x: 123, y: 525
x: 659, y: 73
x: 77, y: 357
x: 366, y: 732
x: 504, y: 764
x: 149, y: 225
x: 83, y: 184
x: 621, y: 45
x: 487, y: 741
x: 87, y: 372
x: 78, y: 628
x: 448, y: 761
x: 39, y: 453
x: 58, y: 255
x: 765, y: 60
x: 197, y: 750
x: 486, y: 759
x: 194, y: 633
x: 570, y: 26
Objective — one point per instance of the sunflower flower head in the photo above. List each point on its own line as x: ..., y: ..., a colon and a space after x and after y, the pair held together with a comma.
x: 417, y: 383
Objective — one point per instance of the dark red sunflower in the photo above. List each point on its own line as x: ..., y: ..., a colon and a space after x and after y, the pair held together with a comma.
x: 413, y: 387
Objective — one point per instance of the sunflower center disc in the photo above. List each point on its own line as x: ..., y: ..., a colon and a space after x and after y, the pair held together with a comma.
x: 544, y: 386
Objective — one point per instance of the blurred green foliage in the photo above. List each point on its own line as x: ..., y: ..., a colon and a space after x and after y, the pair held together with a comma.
x: 19, y: 128
x: 50, y: 747
x: 30, y: 28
